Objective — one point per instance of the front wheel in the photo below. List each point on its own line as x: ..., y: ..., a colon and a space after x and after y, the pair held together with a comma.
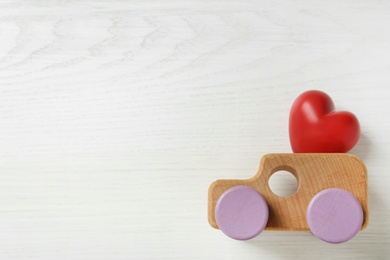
x: 241, y: 213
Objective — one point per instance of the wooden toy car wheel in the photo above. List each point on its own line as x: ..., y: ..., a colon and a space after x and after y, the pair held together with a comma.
x: 334, y: 215
x: 241, y: 213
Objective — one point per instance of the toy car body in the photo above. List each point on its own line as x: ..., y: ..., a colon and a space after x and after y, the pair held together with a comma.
x: 314, y: 172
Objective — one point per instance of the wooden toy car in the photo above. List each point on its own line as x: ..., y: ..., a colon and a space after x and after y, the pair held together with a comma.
x: 331, y: 200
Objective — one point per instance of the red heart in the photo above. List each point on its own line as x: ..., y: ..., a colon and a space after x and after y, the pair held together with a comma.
x: 316, y: 128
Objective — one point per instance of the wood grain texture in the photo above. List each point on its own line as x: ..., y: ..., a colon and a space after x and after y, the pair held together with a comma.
x: 315, y: 172
x: 115, y: 117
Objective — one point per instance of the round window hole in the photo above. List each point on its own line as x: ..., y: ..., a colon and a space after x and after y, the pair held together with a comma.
x: 283, y: 183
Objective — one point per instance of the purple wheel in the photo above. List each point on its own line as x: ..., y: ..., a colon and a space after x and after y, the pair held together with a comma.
x: 241, y: 213
x: 334, y: 215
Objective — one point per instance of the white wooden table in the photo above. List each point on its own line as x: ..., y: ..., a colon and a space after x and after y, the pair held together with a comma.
x: 115, y: 116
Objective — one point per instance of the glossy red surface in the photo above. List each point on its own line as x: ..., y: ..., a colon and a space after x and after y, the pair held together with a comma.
x: 315, y: 126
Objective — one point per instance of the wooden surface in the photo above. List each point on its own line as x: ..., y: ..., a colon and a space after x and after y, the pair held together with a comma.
x: 115, y: 117
x: 314, y: 172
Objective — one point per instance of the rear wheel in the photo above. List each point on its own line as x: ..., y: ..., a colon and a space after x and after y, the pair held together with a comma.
x: 334, y: 215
